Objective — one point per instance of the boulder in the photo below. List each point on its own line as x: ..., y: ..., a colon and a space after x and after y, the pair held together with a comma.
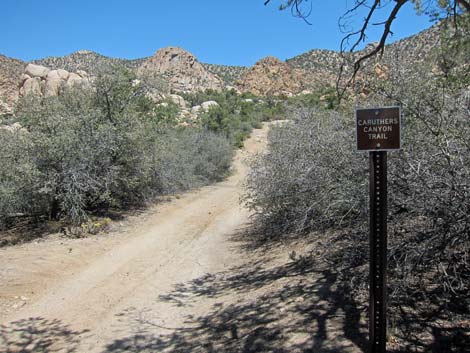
x: 82, y: 74
x: 209, y: 104
x: 58, y: 75
x: 155, y: 96
x: 185, y: 113
x: 52, y: 87
x: 63, y: 74
x: 232, y: 88
x: 184, y: 72
x: 36, y: 71
x: 196, y: 109
x: 271, y: 77
x: 53, y: 75
x: 5, y: 108
x: 13, y: 127
x: 178, y: 100
x: 24, y: 77
x: 32, y: 86
x: 74, y: 79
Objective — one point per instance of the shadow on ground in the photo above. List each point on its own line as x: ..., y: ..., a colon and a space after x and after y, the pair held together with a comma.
x: 433, y: 331
x: 38, y: 335
x: 287, y: 308
x: 298, y: 306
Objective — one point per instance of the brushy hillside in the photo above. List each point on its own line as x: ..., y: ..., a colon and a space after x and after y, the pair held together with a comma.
x: 88, y: 61
x: 10, y: 75
x: 321, y: 66
x: 228, y: 74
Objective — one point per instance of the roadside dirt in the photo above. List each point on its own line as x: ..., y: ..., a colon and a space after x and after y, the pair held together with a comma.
x: 177, y: 278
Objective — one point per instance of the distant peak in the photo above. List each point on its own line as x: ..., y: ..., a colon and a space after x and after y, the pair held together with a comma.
x: 84, y: 52
x: 269, y: 60
x: 172, y: 51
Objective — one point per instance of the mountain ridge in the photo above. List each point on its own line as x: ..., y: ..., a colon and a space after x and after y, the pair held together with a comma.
x: 314, y: 70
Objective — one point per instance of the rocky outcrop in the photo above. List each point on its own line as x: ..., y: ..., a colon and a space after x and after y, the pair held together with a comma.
x: 175, y: 69
x: 271, y: 77
x: 182, y: 70
x: 41, y: 81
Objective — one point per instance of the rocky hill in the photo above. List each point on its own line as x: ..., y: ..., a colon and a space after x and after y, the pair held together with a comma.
x: 87, y: 61
x: 182, y: 70
x: 319, y: 67
x: 271, y: 76
x: 174, y: 69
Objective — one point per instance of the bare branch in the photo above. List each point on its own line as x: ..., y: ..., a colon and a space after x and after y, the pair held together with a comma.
x: 360, y: 35
x: 465, y: 4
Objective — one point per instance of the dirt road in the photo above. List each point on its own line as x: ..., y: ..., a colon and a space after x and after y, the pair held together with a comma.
x: 176, y: 280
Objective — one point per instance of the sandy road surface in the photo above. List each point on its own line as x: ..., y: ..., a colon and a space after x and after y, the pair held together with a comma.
x: 175, y: 281
x: 86, y: 284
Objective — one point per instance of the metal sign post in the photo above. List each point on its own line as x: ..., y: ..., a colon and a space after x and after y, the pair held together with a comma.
x: 378, y: 131
x: 378, y: 252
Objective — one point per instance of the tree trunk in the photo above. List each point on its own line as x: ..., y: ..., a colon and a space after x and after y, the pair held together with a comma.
x: 55, y: 210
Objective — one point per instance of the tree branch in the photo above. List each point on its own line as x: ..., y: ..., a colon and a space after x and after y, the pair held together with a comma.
x: 465, y: 4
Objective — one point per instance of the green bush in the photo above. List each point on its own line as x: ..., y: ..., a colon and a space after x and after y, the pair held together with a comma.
x: 20, y: 187
x: 236, y: 115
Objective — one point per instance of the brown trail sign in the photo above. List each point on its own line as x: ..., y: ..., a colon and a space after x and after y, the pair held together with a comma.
x: 378, y: 130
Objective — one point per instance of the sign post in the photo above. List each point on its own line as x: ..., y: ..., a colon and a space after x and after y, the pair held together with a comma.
x: 378, y: 130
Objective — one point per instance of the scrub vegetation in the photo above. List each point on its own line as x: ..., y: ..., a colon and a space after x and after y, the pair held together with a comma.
x: 311, y: 181
x: 101, y: 147
x: 236, y: 114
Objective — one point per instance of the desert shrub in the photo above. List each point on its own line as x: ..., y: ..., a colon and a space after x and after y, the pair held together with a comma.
x: 88, y: 152
x: 100, y: 146
x: 310, y: 176
x: 311, y: 179
x: 164, y: 115
x: 20, y: 190
x: 189, y: 158
x: 236, y: 115
x: 326, y: 98
x: 430, y: 178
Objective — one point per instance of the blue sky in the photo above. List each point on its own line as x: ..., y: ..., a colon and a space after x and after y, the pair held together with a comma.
x: 231, y: 32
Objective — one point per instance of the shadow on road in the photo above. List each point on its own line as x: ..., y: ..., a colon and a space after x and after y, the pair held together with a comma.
x: 294, y: 307
x: 38, y: 335
x: 297, y: 309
